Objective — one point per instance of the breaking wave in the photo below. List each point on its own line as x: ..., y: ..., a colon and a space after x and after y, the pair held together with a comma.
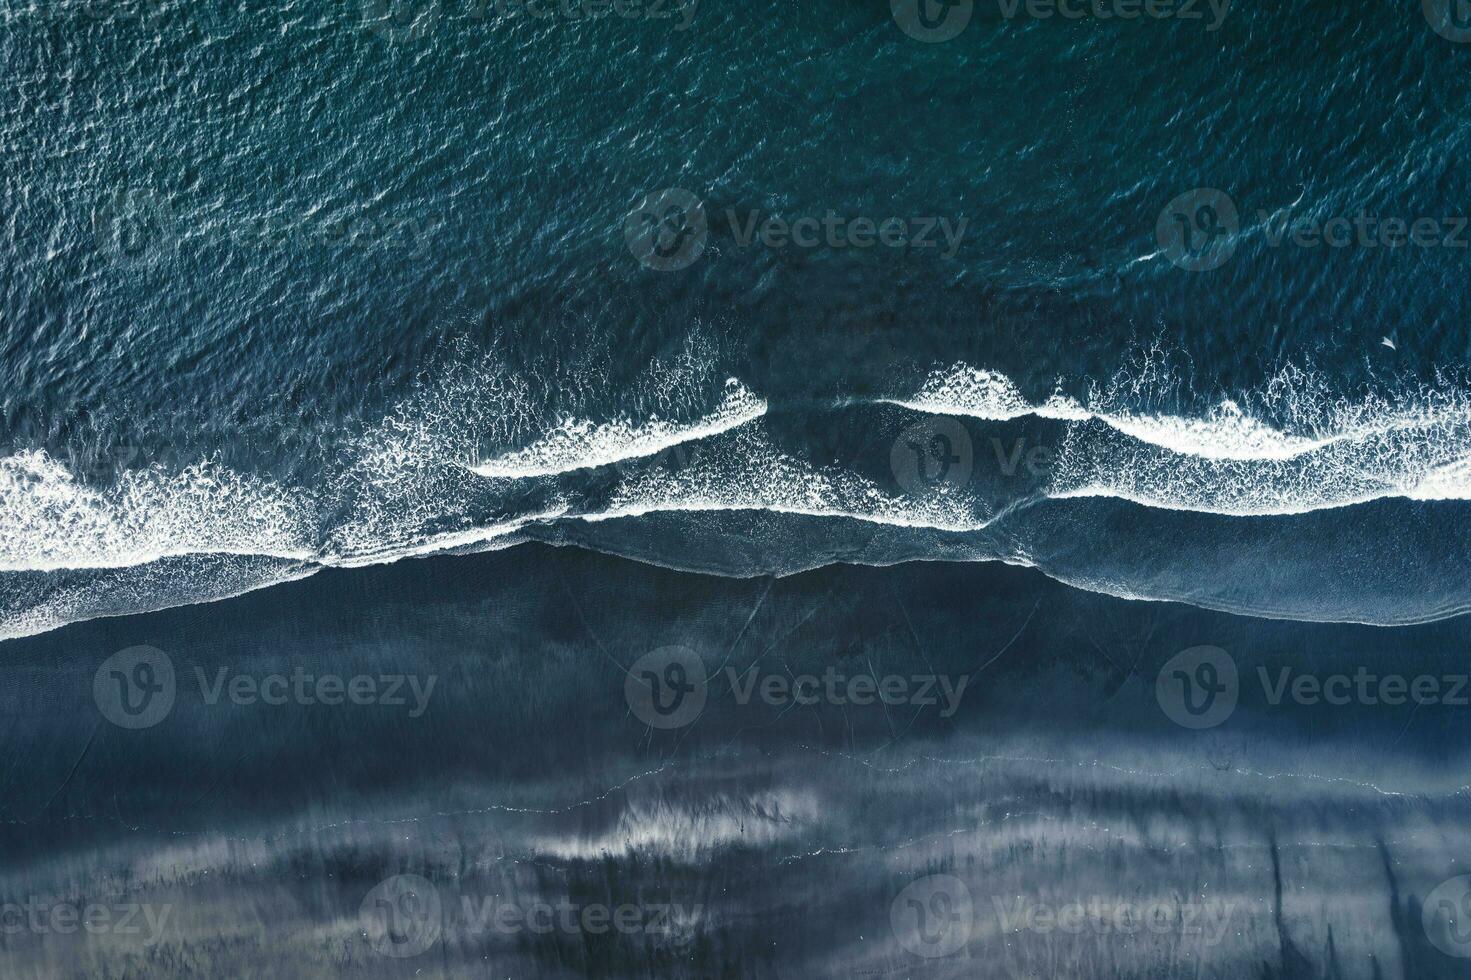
x: 580, y: 444
x: 732, y: 490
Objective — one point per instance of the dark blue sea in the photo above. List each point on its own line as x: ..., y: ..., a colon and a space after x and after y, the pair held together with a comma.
x: 687, y: 488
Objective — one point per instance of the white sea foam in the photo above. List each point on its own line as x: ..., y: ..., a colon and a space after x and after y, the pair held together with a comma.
x: 582, y: 444
x: 746, y: 472
x: 1452, y: 481
x: 41, y: 606
x: 1231, y: 461
x: 53, y: 521
x: 983, y: 394
x: 489, y: 538
x: 1226, y: 432
x: 1290, y: 449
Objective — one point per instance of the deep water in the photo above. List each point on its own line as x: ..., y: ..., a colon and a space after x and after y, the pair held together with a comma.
x: 329, y: 283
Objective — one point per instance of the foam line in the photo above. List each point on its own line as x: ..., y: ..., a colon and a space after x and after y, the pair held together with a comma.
x: 578, y: 444
x: 1226, y: 432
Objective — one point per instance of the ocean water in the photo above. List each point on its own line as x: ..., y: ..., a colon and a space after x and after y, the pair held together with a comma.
x: 1020, y: 346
